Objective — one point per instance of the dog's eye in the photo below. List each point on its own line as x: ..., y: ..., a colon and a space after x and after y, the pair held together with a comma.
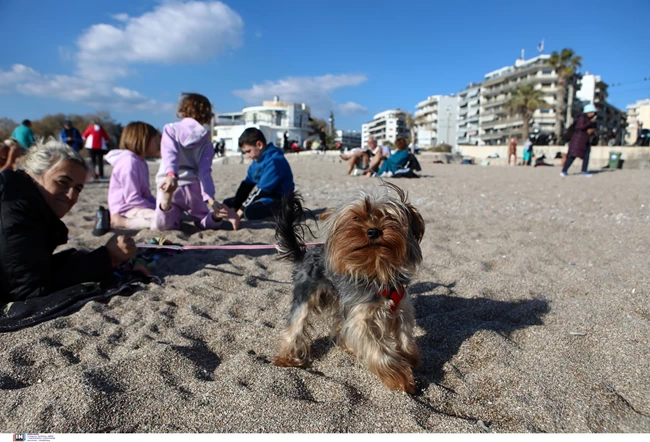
x: 356, y: 218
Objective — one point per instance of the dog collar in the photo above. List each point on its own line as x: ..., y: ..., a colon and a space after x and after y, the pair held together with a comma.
x: 394, y: 294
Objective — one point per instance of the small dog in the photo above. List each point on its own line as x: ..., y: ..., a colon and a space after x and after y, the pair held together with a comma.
x: 360, y: 277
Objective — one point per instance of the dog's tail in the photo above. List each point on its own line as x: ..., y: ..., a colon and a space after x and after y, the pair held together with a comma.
x: 290, y: 228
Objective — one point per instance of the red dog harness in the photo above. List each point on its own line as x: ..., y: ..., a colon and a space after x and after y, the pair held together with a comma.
x: 394, y: 294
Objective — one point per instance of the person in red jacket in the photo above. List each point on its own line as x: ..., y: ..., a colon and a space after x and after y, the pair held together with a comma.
x: 96, y: 138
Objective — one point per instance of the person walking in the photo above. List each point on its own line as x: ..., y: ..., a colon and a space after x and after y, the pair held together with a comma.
x: 580, y: 146
x: 71, y: 136
x: 96, y: 138
x: 23, y: 134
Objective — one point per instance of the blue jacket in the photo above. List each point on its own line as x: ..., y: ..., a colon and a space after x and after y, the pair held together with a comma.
x: 24, y: 136
x: 72, y: 139
x: 394, y: 162
x: 269, y: 178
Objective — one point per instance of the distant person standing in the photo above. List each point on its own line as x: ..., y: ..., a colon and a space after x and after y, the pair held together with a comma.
x: 96, y: 139
x: 23, y: 134
x: 323, y: 139
x: 528, y: 152
x: 285, y: 142
x: 512, y: 150
x: 71, y: 136
x: 580, y: 146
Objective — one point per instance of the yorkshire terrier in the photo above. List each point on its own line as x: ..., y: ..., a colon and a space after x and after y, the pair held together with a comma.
x: 360, y: 277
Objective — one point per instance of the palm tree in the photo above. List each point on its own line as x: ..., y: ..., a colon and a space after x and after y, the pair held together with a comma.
x: 566, y: 64
x: 524, y: 101
x: 412, y: 123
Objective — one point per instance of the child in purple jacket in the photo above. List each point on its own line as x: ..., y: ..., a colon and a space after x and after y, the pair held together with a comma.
x: 184, y: 179
x: 130, y: 202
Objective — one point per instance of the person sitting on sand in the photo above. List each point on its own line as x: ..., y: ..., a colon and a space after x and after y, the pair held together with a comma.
x: 396, y: 161
x: 268, y: 179
x: 33, y: 200
x: 185, y: 174
x: 130, y: 202
x: 377, y: 156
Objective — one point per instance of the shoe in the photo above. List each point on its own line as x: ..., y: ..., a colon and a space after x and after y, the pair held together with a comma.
x: 563, y: 174
x: 586, y: 174
x: 102, y: 222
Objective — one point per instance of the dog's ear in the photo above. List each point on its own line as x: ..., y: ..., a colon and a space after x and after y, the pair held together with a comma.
x: 416, y: 222
x: 326, y: 214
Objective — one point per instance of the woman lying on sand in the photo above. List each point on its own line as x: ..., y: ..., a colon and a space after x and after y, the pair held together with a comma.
x: 33, y: 200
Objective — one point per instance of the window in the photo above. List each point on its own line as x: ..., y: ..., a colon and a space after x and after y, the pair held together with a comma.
x: 547, y: 72
x: 545, y: 111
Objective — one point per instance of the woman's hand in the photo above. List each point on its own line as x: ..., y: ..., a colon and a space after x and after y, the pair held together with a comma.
x: 120, y: 248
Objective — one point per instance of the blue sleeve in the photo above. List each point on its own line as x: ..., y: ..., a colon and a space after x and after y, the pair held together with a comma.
x: 63, y: 136
x: 272, y: 175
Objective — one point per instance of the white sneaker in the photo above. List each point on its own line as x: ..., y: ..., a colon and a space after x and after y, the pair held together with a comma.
x: 586, y: 174
x: 563, y: 174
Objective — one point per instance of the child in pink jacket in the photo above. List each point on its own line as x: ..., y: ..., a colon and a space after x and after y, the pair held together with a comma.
x: 185, y: 175
x: 130, y: 202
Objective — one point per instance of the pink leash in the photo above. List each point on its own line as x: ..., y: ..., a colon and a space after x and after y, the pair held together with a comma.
x: 237, y: 247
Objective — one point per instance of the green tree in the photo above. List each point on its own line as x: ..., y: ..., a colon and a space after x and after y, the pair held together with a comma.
x: 7, y: 126
x: 412, y: 123
x: 524, y: 101
x: 566, y: 63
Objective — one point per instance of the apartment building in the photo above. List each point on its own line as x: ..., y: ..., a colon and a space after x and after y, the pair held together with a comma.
x: 496, y: 125
x: 638, y: 117
x: 385, y: 126
x: 272, y: 117
x: 468, y: 115
x: 348, y: 138
x: 436, y: 120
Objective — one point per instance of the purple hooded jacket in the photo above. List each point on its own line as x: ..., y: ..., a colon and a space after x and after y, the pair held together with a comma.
x: 186, y: 150
x: 129, y: 186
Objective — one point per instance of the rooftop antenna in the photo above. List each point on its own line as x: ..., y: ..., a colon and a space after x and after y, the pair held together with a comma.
x: 522, y: 55
x: 540, y: 47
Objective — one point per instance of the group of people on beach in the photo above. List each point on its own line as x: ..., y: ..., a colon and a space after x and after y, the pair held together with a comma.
x: 36, y: 191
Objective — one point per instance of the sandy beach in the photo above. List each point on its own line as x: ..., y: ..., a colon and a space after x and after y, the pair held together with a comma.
x: 532, y: 309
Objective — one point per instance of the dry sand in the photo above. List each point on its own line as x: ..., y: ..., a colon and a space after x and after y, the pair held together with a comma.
x: 532, y: 308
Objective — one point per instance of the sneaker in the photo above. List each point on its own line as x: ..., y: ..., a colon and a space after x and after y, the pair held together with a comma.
x: 563, y: 174
x: 102, y: 222
x: 586, y: 174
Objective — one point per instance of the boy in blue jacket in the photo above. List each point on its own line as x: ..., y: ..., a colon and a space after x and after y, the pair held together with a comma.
x: 269, y: 178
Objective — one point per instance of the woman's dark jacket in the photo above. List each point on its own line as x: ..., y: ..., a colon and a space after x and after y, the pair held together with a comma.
x: 29, y: 233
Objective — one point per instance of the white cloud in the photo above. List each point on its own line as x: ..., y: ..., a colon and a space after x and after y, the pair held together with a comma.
x: 172, y: 33
x: 27, y: 81
x: 352, y: 108
x: 313, y: 91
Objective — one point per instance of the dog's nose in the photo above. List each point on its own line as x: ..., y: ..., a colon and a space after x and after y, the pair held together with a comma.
x: 374, y: 233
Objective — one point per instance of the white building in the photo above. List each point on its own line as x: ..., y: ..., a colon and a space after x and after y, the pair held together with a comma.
x: 386, y: 126
x: 348, y: 138
x: 436, y: 120
x: 274, y: 118
x: 638, y: 117
x: 496, y: 125
x: 469, y: 113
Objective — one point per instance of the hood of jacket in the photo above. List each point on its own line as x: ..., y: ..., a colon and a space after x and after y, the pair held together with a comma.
x: 189, y: 132
x: 115, y: 156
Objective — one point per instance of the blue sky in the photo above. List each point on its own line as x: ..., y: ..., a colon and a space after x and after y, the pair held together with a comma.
x: 357, y: 58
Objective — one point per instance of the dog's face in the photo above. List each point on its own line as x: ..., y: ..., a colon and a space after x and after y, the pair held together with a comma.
x: 375, y: 237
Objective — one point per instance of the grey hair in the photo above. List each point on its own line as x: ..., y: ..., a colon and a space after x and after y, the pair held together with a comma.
x: 42, y: 157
